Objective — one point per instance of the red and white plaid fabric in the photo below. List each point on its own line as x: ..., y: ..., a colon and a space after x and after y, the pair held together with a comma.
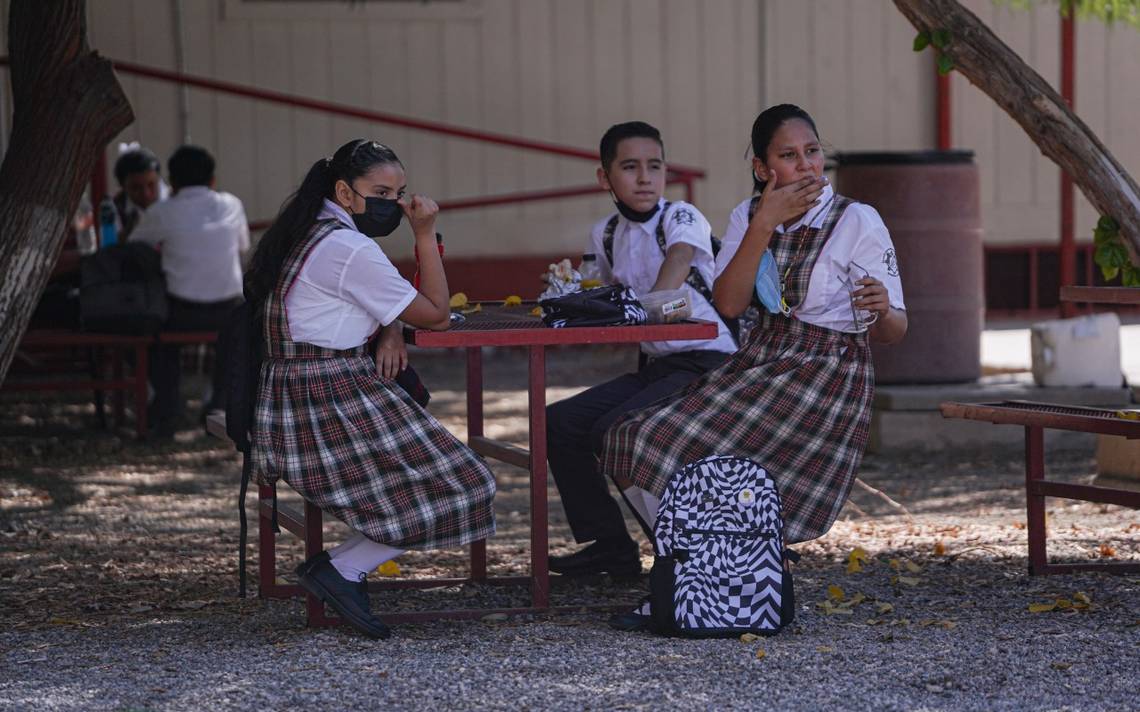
x: 796, y: 399
x: 357, y: 445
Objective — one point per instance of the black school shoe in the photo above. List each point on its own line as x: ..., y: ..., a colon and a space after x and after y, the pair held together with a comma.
x: 631, y: 621
x: 319, y: 577
x: 622, y: 559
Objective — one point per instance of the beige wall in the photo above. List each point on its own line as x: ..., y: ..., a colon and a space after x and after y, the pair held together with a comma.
x: 564, y: 70
x: 554, y: 70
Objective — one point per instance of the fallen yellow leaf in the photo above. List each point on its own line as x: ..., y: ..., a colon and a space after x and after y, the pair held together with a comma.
x: 856, y: 559
x: 1060, y: 666
x: 1082, y: 597
x: 835, y: 593
x: 760, y: 654
x: 512, y: 301
x: 749, y: 638
x: 1106, y: 551
x: 894, y: 563
x: 910, y: 580
x: 473, y: 309
x: 537, y: 311
x: 884, y: 608
x: 913, y: 567
x: 388, y: 568
x: 824, y: 649
x: 939, y: 549
x: 459, y: 299
x: 1042, y: 607
x: 591, y: 283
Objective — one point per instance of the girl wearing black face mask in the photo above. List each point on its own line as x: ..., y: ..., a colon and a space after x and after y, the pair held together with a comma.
x: 331, y: 420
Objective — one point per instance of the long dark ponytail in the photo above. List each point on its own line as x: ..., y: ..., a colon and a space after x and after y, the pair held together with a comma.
x: 300, y: 210
x: 766, y: 125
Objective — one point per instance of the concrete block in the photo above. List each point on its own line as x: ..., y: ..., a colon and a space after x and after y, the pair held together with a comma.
x: 1117, y: 458
x: 928, y: 430
x: 1015, y: 386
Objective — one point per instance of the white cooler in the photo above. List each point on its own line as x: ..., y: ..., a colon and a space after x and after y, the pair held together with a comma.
x: 1084, y: 351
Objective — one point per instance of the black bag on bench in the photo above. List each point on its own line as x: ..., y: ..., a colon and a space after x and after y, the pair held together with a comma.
x: 122, y: 290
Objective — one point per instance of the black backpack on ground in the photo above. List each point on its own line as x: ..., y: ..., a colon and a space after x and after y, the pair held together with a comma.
x: 122, y: 290
x: 720, y: 566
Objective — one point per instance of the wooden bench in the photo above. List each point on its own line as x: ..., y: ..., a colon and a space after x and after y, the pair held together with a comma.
x: 1036, y: 418
x: 105, y: 358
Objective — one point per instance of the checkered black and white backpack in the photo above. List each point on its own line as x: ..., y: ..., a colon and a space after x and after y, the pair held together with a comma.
x: 720, y: 566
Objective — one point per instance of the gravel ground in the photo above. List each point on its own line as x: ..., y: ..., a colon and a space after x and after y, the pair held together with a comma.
x: 117, y: 591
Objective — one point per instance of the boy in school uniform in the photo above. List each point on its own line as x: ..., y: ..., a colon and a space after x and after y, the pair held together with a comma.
x: 649, y: 244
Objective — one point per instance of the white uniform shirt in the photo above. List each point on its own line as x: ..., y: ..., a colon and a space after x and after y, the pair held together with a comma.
x: 202, y: 234
x: 638, y: 259
x: 859, y: 244
x: 346, y: 289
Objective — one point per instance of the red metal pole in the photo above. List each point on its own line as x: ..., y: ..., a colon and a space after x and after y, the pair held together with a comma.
x: 99, y: 181
x: 942, y: 93
x: 1068, y: 239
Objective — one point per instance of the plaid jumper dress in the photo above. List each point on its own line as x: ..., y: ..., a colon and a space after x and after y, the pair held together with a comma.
x: 356, y: 445
x: 796, y: 398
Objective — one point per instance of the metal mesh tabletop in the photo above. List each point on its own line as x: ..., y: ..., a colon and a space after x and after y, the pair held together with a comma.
x: 516, y: 326
x: 1110, y: 421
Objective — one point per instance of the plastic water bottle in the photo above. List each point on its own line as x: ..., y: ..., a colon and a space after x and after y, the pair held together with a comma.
x: 590, y: 270
x: 108, y: 228
x: 83, y: 225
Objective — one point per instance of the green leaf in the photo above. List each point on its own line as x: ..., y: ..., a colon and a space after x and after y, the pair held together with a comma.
x: 1109, y: 273
x: 940, y: 39
x: 1111, y: 254
x: 1130, y: 276
x: 1100, y: 237
x: 1107, y: 224
x: 921, y: 41
x: 945, y: 64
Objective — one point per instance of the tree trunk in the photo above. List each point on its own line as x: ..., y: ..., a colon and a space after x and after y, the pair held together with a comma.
x: 67, y: 104
x: 998, y: 71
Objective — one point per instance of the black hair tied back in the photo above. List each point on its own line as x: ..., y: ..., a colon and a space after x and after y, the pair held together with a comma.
x: 300, y: 210
x: 764, y: 128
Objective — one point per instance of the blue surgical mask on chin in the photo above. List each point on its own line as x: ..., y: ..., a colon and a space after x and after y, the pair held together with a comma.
x: 768, y: 285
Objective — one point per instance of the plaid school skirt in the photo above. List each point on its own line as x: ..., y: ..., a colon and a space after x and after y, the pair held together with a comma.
x: 796, y: 399
x: 362, y: 450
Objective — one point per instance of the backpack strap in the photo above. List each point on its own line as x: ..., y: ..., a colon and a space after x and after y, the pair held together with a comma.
x: 694, y: 278
x: 608, y: 240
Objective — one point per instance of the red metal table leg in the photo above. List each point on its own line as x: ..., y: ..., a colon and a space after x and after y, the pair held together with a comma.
x: 1035, y: 503
x: 142, y: 375
x: 119, y: 355
x: 475, y: 429
x: 540, y: 576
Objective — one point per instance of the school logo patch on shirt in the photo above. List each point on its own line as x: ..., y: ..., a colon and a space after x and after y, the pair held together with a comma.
x: 684, y: 216
x: 892, y: 262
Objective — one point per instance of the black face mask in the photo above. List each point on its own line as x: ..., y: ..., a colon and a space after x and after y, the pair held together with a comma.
x: 633, y: 215
x: 380, y: 218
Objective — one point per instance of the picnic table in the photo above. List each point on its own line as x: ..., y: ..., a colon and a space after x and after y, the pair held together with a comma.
x: 1035, y: 417
x: 492, y: 326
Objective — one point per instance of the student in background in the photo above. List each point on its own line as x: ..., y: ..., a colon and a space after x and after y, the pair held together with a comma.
x: 140, y: 186
x: 202, y: 234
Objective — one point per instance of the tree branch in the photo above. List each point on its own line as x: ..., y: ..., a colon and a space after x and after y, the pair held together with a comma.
x: 1022, y: 93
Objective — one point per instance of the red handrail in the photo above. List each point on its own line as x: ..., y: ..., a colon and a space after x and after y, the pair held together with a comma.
x: 678, y: 174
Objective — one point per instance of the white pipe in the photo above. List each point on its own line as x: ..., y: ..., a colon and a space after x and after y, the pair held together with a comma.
x: 180, y: 65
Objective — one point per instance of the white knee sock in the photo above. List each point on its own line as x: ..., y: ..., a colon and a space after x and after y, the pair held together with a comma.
x: 644, y: 502
x: 359, y: 556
